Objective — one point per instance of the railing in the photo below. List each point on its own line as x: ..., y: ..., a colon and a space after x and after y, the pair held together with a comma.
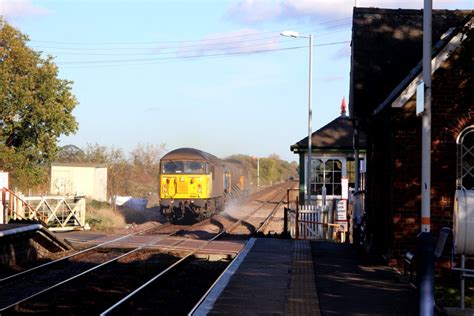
x: 57, y: 212
x: 313, y: 222
x: 307, y: 222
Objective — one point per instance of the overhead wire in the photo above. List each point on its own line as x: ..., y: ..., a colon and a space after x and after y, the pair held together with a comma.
x: 207, y: 48
x: 186, y: 41
x: 149, y: 61
x: 204, y: 44
x: 185, y: 54
x: 222, y: 47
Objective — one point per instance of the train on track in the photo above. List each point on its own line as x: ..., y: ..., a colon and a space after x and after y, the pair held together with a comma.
x: 195, y: 184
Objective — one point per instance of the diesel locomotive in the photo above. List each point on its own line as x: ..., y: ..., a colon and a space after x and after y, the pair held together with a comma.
x: 195, y: 184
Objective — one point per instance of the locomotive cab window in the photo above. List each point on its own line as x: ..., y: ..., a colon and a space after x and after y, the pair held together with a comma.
x: 195, y: 167
x: 173, y: 167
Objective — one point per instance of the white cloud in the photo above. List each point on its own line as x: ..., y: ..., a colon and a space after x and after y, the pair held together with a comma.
x: 20, y: 8
x: 256, y: 10
x: 241, y: 41
x: 253, y: 11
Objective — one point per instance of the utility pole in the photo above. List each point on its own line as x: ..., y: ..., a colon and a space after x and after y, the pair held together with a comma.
x: 310, y: 116
x: 356, y: 210
x: 258, y: 172
x: 425, y: 242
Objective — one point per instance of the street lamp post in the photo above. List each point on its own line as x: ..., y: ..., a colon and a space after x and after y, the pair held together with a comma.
x: 310, y: 112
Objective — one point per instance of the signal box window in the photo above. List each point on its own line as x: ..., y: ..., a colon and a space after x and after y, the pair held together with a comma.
x: 326, y: 174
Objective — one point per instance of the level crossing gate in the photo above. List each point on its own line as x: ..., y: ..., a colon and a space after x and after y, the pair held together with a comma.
x: 313, y: 222
x: 307, y: 222
x: 56, y: 212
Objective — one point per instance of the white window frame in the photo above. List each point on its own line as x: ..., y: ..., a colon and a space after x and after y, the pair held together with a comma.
x: 462, y: 169
x: 343, y: 162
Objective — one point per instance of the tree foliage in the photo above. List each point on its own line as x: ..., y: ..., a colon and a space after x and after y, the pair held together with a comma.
x: 137, y: 173
x: 134, y: 174
x: 35, y: 109
x: 272, y: 168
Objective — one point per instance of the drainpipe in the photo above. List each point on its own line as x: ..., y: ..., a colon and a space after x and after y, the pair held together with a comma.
x: 356, y: 211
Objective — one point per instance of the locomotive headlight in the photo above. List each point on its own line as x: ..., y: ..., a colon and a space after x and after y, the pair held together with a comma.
x: 199, y: 188
x: 165, y: 187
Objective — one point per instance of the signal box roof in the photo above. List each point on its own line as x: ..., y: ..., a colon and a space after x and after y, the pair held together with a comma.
x: 337, y: 135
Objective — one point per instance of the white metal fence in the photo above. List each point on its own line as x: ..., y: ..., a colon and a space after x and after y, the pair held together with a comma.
x: 57, y: 212
x: 314, y: 222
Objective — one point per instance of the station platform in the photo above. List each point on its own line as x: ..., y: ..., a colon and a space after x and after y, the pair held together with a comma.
x: 13, y: 229
x: 36, y: 231
x: 287, y: 277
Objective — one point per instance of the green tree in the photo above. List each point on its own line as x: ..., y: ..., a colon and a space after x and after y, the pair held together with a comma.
x: 272, y: 168
x: 134, y: 174
x: 95, y: 153
x: 145, y: 162
x: 118, y: 173
x: 35, y: 109
x: 70, y: 154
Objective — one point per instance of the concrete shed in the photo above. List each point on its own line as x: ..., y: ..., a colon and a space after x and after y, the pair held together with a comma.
x: 79, y: 179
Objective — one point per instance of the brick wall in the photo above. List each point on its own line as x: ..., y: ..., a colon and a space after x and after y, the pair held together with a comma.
x: 399, y: 144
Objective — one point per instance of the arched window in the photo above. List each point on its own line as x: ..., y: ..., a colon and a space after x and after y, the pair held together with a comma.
x: 465, y: 159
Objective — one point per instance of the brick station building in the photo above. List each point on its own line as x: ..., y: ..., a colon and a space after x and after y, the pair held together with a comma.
x: 386, y: 67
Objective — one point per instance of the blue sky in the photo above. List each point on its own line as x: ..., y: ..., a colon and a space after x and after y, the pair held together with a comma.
x: 214, y: 75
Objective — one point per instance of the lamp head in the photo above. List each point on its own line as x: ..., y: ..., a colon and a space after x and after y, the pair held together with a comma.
x: 290, y: 34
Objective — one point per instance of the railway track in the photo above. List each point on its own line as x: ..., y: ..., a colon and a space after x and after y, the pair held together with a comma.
x: 145, y: 301
x: 26, y: 285
x: 116, y: 281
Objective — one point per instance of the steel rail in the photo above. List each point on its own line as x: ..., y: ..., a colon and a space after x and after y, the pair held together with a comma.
x: 224, y: 231
x: 238, y: 254
x: 87, y: 271
x: 144, y: 285
x: 75, y: 254
x: 225, y: 275
x: 253, y: 212
x: 270, y: 216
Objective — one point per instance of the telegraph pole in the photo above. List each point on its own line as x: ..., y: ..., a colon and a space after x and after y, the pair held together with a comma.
x: 258, y: 172
x: 425, y: 241
x: 310, y: 116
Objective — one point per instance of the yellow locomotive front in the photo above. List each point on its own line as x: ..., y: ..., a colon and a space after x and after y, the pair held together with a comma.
x: 186, y: 180
x: 186, y: 184
x: 195, y: 184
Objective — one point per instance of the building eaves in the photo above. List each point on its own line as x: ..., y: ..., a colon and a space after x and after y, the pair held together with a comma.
x: 336, y: 135
x: 443, y: 49
x: 386, y: 45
